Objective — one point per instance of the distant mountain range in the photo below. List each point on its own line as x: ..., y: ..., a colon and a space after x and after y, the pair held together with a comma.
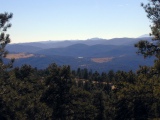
x: 65, y: 43
x: 144, y: 36
x: 96, y: 54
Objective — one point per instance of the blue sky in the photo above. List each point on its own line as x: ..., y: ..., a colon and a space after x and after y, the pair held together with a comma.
x: 40, y: 20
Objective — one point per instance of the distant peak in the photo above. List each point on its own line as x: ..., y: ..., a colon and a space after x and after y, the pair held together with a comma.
x: 145, y: 35
x: 96, y: 38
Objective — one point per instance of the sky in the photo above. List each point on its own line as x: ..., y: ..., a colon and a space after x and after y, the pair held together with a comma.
x: 41, y: 20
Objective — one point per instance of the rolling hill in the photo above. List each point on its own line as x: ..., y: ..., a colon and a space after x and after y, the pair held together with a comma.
x: 96, y: 54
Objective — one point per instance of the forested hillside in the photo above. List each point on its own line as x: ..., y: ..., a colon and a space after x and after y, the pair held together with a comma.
x: 61, y: 93
x: 115, y: 54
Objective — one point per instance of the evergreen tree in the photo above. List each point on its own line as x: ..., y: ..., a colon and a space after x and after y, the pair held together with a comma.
x: 100, y: 103
x: 57, y: 95
x: 82, y: 105
x: 4, y: 38
x: 152, y: 48
x: 5, y: 111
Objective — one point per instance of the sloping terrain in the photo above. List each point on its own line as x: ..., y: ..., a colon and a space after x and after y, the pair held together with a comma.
x: 90, y: 42
x: 95, y: 54
x: 125, y: 63
x: 19, y: 48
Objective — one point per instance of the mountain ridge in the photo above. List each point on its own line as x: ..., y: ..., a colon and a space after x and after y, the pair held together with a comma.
x: 84, y: 54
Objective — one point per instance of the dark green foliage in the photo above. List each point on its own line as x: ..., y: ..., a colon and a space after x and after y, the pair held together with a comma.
x: 23, y: 72
x: 57, y: 93
x: 5, y: 110
x: 82, y: 105
x: 4, y: 38
x: 100, y: 103
x: 152, y: 48
x: 23, y: 96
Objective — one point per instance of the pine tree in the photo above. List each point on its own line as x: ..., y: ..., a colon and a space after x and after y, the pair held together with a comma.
x: 5, y: 111
x: 152, y: 48
x: 4, y: 38
x: 57, y: 95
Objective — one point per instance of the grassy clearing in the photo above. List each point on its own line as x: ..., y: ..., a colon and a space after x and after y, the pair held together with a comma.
x: 102, y: 60
x: 19, y: 55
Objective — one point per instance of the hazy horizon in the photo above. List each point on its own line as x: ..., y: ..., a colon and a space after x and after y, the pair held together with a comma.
x: 40, y: 20
x: 141, y: 36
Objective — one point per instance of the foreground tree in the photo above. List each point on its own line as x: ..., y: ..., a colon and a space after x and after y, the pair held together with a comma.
x: 5, y: 111
x: 57, y: 95
x: 4, y: 38
x: 139, y: 99
x: 152, y: 48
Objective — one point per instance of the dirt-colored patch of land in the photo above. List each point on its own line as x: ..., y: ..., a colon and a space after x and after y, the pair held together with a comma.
x: 19, y: 55
x: 102, y: 60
